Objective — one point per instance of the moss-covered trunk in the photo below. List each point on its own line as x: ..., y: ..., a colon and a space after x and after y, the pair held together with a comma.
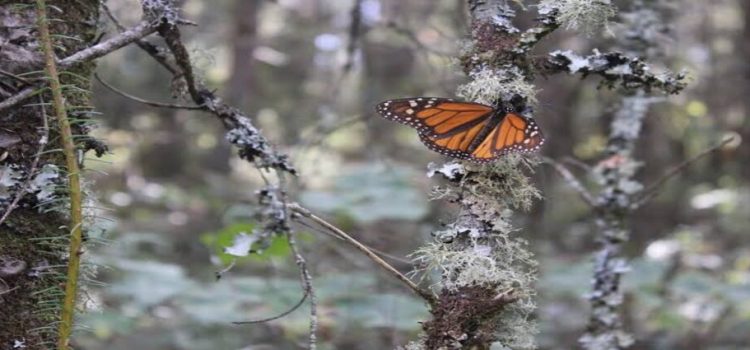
x: 33, y: 238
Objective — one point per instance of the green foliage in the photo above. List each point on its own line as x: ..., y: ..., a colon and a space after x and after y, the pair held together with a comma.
x: 218, y: 241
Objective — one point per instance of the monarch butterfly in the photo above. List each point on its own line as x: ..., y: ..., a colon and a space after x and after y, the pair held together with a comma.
x: 464, y: 130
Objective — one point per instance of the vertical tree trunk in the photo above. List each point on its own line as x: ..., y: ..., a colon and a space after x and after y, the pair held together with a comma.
x: 242, y: 84
x: 33, y: 237
x: 744, y: 152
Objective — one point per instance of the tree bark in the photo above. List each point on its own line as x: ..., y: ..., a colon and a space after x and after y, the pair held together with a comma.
x: 34, y: 236
x: 242, y: 85
x: 744, y: 152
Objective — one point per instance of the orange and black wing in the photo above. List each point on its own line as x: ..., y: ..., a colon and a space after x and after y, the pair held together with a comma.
x: 515, y: 133
x: 433, y: 116
x: 458, y: 144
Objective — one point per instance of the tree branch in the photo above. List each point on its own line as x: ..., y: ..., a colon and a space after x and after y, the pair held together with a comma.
x: 573, y: 182
x: 281, y: 315
x: 615, y: 68
x: 429, y: 298
x: 152, y: 49
x: 144, y: 101
x: 254, y: 147
x: 306, y: 281
x: 652, y: 190
x: 141, y: 30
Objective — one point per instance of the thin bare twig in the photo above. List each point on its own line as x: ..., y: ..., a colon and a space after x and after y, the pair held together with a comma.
x: 34, y: 164
x: 411, y: 37
x: 281, y: 315
x: 378, y: 251
x: 18, y: 97
x: 220, y: 273
x: 306, y: 281
x: 374, y: 257
x: 144, y: 101
x: 577, y: 163
x: 9, y: 290
x: 572, y: 182
x: 15, y: 77
x: 321, y: 132
x: 141, y: 30
x: 652, y: 190
x: 152, y: 49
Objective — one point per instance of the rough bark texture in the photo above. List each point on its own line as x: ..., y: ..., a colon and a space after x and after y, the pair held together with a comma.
x: 33, y: 239
x: 745, y: 128
x: 242, y: 84
x: 465, y: 317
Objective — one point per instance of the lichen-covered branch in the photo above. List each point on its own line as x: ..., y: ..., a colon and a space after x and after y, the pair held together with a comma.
x: 473, y: 251
x: 548, y: 23
x: 306, y: 280
x: 254, y: 147
x: 616, y: 70
x: 487, y: 274
x: 616, y: 174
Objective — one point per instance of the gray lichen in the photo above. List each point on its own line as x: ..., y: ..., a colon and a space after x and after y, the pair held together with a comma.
x: 488, y: 86
x: 482, y: 249
x: 616, y: 172
x: 587, y: 16
x: 617, y: 70
x: 253, y: 146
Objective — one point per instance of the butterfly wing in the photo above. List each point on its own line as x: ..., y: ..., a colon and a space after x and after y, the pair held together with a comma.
x: 453, y: 128
x: 433, y: 116
x: 515, y: 133
x: 457, y: 144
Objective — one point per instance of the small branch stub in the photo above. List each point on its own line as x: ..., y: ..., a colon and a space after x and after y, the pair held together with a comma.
x: 463, y: 318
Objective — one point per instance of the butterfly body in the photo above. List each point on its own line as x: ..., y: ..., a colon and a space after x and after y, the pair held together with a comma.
x: 464, y: 130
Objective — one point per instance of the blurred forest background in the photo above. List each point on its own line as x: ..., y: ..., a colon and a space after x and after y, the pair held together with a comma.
x: 178, y: 193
